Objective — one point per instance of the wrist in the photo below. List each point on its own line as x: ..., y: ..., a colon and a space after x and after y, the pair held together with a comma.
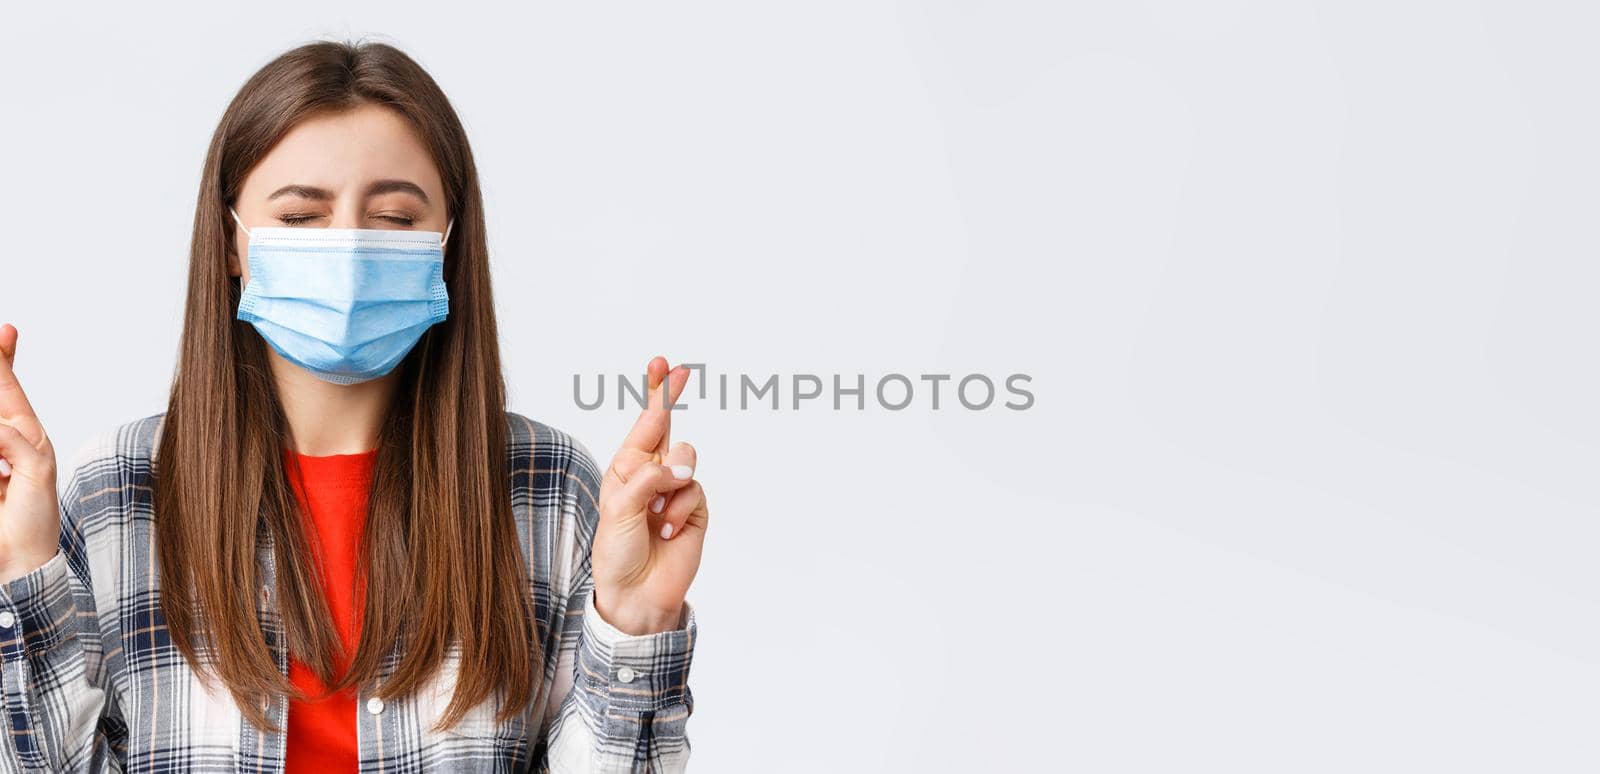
x: 632, y: 618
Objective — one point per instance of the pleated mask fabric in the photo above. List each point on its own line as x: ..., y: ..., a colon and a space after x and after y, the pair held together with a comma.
x: 346, y: 304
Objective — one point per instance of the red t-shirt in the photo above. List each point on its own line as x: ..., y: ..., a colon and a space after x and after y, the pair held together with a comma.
x: 332, y: 491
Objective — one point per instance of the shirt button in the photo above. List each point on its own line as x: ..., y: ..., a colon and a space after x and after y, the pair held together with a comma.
x: 7, y: 619
x: 375, y: 705
x: 625, y: 674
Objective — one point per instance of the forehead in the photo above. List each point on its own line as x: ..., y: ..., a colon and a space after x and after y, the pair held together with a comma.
x: 341, y: 151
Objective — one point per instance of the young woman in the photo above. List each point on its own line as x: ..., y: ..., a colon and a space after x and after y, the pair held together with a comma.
x: 336, y: 550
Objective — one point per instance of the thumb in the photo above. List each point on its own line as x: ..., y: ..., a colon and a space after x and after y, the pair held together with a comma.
x: 19, y: 455
x: 643, y: 484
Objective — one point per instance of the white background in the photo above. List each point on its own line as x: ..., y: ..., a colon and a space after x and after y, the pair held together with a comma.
x: 1306, y: 292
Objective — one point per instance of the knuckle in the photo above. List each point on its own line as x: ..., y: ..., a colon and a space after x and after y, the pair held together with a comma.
x: 644, y: 476
x: 27, y: 428
x: 626, y: 460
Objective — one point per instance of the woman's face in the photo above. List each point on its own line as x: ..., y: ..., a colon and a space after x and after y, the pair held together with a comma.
x: 360, y: 168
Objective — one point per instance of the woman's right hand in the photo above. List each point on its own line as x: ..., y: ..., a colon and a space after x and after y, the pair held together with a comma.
x: 30, y: 515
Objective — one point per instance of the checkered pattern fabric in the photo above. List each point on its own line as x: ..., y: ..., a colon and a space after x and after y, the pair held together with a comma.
x: 91, y: 681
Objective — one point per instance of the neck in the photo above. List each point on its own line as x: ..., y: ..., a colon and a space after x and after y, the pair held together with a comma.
x: 326, y: 418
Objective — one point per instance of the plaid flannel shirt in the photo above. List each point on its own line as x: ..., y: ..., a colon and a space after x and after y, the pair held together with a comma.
x: 91, y: 682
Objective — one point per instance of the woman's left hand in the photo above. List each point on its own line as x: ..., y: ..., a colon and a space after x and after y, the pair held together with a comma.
x: 652, y: 518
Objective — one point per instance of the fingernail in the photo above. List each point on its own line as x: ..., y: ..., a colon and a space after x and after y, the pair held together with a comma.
x: 666, y: 531
x: 5, y: 468
x: 682, y: 472
x: 657, y: 503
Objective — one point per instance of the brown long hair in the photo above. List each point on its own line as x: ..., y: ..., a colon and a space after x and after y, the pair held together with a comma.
x: 440, y: 547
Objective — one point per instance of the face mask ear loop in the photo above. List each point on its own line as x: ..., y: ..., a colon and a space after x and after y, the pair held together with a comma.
x: 446, y: 236
x: 240, y: 222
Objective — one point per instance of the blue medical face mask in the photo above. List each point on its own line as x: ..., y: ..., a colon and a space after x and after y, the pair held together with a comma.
x: 346, y: 304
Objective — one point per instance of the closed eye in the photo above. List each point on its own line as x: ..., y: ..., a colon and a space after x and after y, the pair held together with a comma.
x: 295, y: 220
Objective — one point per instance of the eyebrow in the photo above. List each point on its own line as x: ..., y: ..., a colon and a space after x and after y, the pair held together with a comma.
x: 377, y: 187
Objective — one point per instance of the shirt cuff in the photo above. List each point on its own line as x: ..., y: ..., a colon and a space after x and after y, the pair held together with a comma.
x: 37, y: 610
x: 640, y: 672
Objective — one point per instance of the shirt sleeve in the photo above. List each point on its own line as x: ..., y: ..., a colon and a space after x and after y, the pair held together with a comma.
x: 646, y: 672
x: 58, y: 713
x: 630, y: 701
